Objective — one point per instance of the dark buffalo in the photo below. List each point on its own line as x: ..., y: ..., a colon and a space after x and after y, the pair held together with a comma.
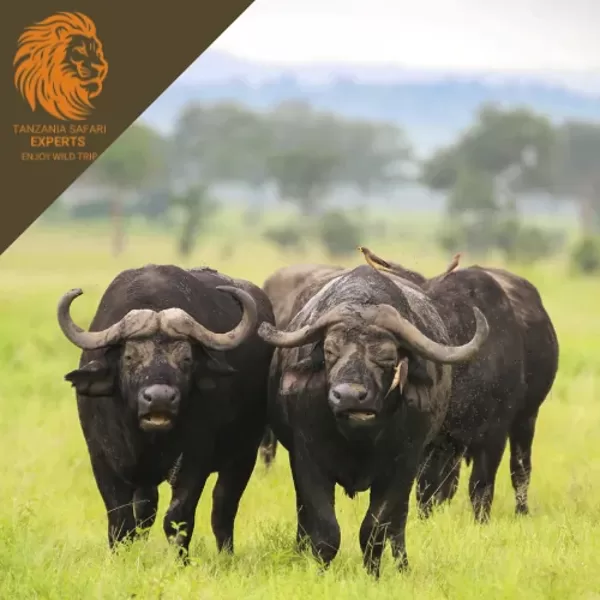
x: 171, y: 385
x: 359, y: 384
x: 497, y: 396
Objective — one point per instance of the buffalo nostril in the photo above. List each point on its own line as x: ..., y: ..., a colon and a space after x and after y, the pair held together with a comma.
x: 159, y: 394
x: 362, y: 395
x: 337, y: 395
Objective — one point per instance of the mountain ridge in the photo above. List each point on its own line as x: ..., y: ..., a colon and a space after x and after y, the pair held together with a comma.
x: 432, y: 107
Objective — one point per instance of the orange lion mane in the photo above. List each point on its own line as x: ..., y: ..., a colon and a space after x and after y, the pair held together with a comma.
x: 41, y: 73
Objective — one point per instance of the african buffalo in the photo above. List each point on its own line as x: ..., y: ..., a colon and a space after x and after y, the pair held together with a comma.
x: 289, y: 288
x: 495, y: 397
x: 171, y: 385
x: 359, y: 384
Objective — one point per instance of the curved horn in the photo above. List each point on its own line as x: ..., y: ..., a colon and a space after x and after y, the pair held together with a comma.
x: 305, y: 335
x: 134, y: 323
x: 177, y: 323
x: 389, y: 318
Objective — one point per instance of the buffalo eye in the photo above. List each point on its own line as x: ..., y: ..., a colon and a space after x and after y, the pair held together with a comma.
x: 417, y: 373
x: 329, y: 354
x: 388, y: 365
x: 386, y: 362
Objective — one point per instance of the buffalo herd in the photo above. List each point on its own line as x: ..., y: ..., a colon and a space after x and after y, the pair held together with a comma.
x: 373, y: 378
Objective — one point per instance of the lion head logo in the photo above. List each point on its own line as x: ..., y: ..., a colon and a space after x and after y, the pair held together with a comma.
x: 60, y: 65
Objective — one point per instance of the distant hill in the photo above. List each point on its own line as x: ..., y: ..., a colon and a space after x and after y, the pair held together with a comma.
x: 432, y: 107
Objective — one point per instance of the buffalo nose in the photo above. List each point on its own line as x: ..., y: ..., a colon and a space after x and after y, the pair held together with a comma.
x: 347, y: 395
x: 156, y: 397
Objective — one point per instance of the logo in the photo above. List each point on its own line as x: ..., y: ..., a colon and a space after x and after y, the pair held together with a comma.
x: 60, y: 66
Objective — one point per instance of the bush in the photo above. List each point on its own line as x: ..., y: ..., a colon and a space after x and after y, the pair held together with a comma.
x: 475, y: 235
x: 508, y: 235
x: 286, y: 237
x: 339, y: 234
x: 533, y: 244
x: 525, y: 243
x: 451, y: 238
x: 585, y: 257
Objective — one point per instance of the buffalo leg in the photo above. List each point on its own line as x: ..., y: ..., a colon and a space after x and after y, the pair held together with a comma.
x: 145, y: 504
x: 486, y: 460
x: 386, y: 519
x: 438, y: 480
x: 227, y: 493
x: 521, y: 441
x: 118, y: 500
x: 268, y: 447
x: 180, y: 518
x: 315, y: 504
x: 449, y: 485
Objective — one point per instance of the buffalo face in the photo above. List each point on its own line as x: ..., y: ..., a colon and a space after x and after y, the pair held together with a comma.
x: 152, y: 360
x: 361, y: 356
x: 361, y: 364
x: 154, y: 377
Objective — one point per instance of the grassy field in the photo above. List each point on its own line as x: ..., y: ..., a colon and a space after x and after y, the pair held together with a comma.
x: 52, y: 521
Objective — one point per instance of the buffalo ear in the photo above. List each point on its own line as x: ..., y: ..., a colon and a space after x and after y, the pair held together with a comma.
x: 417, y: 372
x: 313, y: 363
x: 95, y: 378
x: 217, y: 363
x: 308, y: 371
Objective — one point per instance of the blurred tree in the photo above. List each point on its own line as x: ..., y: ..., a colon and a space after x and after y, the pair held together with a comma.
x: 137, y: 158
x: 585, y: 256
x: 196, y: 207
x: 304, y: 156
x: 505, y: 152
x: 220, y: 143
x: 577, y: 170
x: 312, y: 152
x: 473, y: 192
x: 375, y: 156
x: 473, y: 209
x: 498, y: 141
x: 304, y: 175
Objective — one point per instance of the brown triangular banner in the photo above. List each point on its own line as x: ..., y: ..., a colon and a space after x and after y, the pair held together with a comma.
x: 90, y: 69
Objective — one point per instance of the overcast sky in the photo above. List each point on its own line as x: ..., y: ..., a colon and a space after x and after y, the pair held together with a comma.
x: 456, y: 35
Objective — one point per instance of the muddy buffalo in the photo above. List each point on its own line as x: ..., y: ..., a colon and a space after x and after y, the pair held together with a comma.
x: 497, y: 396
x: 360, y: 383
x: 171, y: 385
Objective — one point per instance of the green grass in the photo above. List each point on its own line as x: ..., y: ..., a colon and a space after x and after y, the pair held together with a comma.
x: 52, y: 522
